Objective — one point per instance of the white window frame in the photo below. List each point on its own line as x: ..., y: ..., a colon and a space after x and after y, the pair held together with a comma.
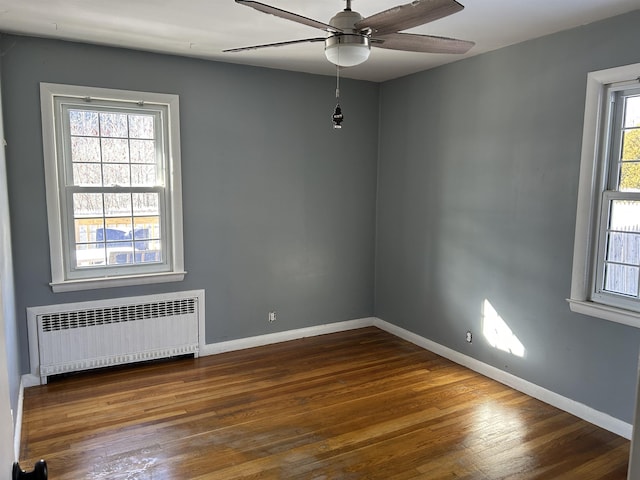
x: 591, y: 188
x: 62, y: 277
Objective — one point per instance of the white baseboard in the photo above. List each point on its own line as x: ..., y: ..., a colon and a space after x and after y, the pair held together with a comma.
x: 270, y: 338
x: 17, y: 429
x: 580, y: 410
x: 30, y: 380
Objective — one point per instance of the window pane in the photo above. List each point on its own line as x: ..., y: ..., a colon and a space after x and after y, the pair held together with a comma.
x: 118, y: 229
x: 87, y: 174
x: 82, y: 122
x: 83, y: 233
x: 141, y: 233
x: 145, y: 204
x: 115, y: 232
x: 88, y: 223
x: 86, y: 230
x: 113, y: 125
x: 118, y: 204
x: 85, y: 149
x: 147, y: 227
x: 115, y: 150
x: 631, y: 144
x: 149, y: 256
x: 141, y: 126
x: 632, y: 112
x: 143, y: 175
x: 624, y: 248
x: 116, y: 174
x: 117, y: 236
x: 143, y: 151
x: 629, y: 177
x: 149, y: 223
x: 122, y: 254
x: 625, y: 216
x: 87, y: 205
x: 90, y: 255
x: 621, y: 279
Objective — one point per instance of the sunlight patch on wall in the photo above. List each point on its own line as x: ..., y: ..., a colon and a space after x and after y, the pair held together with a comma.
x: 498, y: 333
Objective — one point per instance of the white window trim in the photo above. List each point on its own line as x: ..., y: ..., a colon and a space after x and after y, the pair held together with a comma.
x: 59, y: 282
x: 589, y: 188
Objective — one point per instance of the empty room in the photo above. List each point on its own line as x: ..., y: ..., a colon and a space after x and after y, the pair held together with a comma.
x: 319, y: 239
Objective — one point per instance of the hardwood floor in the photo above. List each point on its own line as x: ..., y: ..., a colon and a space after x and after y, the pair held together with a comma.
x: 361, y: 404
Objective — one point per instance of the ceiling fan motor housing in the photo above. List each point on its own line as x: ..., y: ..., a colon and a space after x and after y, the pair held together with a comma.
x: 350, y: 36
x: 349, y: 47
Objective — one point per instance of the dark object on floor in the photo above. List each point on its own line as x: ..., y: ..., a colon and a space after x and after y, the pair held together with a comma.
x: 39, y: 472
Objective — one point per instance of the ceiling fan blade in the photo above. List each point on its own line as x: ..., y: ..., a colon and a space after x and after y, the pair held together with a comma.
x: 408, y: 16
x: 277, y: 44
x: 294, y: 17
x: 421, y: 43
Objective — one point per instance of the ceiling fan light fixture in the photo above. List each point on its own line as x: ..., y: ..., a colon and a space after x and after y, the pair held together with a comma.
x: 347, y: 50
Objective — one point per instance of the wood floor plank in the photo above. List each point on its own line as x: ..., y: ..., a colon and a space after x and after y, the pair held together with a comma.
x: 361, y: 404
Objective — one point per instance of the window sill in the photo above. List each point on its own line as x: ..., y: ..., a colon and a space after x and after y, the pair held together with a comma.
x: 613, y: 314
x: 110, y: 282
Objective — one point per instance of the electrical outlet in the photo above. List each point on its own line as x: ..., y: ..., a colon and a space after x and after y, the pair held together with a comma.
x: 272, y: 317
x: 469, y: 337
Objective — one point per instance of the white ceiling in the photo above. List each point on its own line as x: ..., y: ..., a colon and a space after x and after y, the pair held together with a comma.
x: 203, y: 28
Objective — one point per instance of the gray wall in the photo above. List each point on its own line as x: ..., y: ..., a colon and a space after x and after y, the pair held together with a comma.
x: 279, y: 208
x: 478, y: 176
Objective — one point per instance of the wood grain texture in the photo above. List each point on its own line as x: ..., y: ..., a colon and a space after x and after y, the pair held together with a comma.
x: 361, y: 404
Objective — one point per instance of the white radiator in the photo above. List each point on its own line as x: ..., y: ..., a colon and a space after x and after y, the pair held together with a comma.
x: 80, y: 336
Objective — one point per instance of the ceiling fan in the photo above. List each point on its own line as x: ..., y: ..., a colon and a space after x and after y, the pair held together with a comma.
x: 350, y: 36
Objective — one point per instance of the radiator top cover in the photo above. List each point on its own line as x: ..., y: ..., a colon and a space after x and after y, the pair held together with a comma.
x: 118, y: 314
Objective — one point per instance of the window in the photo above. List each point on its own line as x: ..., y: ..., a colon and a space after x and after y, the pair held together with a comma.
x: 618, y: 258
x: 606, y: 266
x: 112, y: 169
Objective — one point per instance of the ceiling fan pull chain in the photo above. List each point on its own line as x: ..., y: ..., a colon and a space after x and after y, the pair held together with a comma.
x: 337, y: 116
